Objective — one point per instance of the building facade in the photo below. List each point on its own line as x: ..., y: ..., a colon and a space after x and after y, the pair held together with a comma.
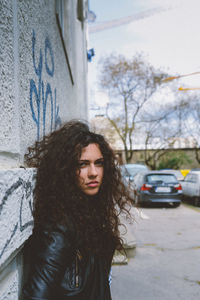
x: 43, y: 83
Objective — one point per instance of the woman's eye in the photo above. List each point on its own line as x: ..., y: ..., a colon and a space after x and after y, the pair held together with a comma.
x: 99, y: 163
x: 82, y: 164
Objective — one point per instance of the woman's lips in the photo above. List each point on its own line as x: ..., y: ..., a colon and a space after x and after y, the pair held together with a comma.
x: 93, y: 184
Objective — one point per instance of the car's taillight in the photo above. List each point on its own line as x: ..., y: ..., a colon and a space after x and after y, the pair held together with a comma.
x: 178, y: 187
x: 146, y: 187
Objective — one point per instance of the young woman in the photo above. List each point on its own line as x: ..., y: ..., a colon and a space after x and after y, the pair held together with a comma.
x: 78, y: 197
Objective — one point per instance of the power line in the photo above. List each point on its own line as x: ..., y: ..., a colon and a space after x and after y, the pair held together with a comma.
x: 93, y: 28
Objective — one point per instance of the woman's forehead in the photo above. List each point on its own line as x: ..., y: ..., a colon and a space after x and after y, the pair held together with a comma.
x: 90, y: 152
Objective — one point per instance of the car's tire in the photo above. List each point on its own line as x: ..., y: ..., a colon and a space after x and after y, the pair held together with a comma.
x: 176, y: 204
x: 196, y: 201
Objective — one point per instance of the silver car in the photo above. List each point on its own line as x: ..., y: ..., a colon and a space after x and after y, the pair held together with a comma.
x: 177, y: 173
x: 191, y: 187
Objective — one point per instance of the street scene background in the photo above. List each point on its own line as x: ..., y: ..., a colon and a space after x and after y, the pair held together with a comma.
x: 167, y: 254
x: 167, y: 257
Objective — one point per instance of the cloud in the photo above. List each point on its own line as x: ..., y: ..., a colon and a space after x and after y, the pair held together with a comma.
x: 170, y: 38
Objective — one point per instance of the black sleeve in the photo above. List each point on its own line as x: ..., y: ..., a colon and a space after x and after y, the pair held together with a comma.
x: 51, y: 252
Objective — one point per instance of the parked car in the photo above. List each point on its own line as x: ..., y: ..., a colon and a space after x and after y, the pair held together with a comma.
x: 177, y: 173
x: 191, y: 187
x: 130, y: 170
x: 157, y: 187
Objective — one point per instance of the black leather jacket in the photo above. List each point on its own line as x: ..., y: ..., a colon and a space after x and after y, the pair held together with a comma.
x: 57, y: 271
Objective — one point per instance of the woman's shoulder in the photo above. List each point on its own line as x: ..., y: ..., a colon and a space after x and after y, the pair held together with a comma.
x: 49, y: 225
x: 51, y: 232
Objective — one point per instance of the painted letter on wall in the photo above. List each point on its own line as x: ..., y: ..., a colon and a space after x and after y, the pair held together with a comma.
x: 42, y: 99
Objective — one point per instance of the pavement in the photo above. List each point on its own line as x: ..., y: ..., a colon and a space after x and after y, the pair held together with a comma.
x: 167, y: 257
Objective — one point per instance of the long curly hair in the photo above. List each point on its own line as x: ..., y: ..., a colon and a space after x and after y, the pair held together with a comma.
x: 57, y: 195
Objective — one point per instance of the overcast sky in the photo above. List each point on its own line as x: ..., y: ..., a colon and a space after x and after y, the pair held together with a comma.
x: 170, y: 39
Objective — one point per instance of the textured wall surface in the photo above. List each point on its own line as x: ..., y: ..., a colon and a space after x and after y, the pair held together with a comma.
x: 37, y: 91
x: 16, y: 222
x: 43, y: 83
x: 9, y: 132
x: 9, y: 281
x: 16, y: 186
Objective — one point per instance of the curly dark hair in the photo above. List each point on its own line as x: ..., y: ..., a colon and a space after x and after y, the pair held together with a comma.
x: 57, y: 196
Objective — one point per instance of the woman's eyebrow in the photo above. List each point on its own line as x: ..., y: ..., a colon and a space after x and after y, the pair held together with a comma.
x: 99, y: 159
x: 83, y: 159
x: 87, y: 160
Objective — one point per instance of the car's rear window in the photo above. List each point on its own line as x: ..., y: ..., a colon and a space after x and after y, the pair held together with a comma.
x: 161, y: 178
x: 132, y: 170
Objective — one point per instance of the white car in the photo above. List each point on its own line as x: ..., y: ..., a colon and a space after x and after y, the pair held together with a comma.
x: 191, y: 187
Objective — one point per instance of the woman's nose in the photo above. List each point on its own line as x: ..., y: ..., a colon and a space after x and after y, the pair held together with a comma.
x: 92, y: 170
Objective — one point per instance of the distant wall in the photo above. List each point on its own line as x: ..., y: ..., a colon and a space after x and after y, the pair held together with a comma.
x: 138, y: 157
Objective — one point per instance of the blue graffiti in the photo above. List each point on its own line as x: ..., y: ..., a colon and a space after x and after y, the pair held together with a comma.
x: 41, y: 95
x: 48, y: 48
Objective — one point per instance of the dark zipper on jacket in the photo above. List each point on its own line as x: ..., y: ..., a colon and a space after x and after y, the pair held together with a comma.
x: 76, y: 275
x: 78, y: 257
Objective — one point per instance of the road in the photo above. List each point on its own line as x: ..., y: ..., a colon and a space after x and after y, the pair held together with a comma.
x: 167, y: 261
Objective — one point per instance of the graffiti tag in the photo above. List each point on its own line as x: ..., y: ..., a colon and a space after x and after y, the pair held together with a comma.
x: 27, y: 188
x: 41, y: 94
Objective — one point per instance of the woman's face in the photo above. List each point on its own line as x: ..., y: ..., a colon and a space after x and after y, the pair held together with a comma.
x: 90, y: 172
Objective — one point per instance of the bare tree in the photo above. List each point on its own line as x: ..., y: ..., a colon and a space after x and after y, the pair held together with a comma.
x: 179, y: 123
x: 191, y: 122
x: 130, y: 84
x: 159, y: 131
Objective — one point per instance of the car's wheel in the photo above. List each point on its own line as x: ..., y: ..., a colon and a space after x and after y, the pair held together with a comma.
x: 197, y: 201
x: 176, y: 204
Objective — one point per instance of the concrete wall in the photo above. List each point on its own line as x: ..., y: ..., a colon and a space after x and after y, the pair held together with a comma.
x: 138, y: 157
x: 43, y: 73
x: 16, y: 186
x: 43, y: 83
